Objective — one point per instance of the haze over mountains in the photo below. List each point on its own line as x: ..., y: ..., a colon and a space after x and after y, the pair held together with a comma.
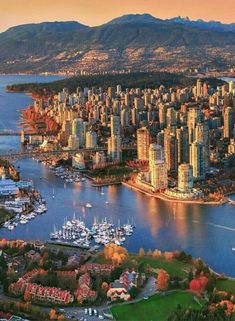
x: 136, y: 42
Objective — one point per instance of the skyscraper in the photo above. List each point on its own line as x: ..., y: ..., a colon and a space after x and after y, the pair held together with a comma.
x: 197, y: 160
x: 114, y: 148
x: 171, y: 153
x: 143, y: 141
x: 185, y: 178
x: 202, y: 136
x: 78, y: 130
x: 157, y: 167
x: 183, y: 145
x: 194, y: 116
x: 91, y: 139
x: 115, y: 125
x: 228, y: 122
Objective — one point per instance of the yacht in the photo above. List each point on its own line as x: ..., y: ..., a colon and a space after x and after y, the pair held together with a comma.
x: 88, y: 205
x: 11, y: 227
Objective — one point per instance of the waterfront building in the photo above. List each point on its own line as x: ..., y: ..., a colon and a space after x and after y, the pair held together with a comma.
x: 228, y: 122
x: 185, y: 178
x: 197, y: 160
x: 157, y: 167
x: 143, y: 141
x: 99, y: 158
x: 78, y: 161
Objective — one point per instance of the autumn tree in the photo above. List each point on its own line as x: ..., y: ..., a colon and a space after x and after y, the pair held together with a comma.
x: 53, y: 315
x: 141, y: 252
x: 117, y: 254
x: 162, y: 280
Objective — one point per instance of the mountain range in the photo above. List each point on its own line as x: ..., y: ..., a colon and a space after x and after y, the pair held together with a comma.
x: 131, y: 42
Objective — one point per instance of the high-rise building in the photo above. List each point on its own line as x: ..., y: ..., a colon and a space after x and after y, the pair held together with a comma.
x: 183, y: 145
x: 78, y: 130
x: 171, y: 117
x: 194, y: 116
x: 185, y: 178
x: 125, y: 118
x: 228, y: 122
x: 202, y: 136
x: 157, y: 167
x: 197, y: 160
x: 199, y: 88
x: 171, y: 153
x: 114, y: 148
x: 115, y: 125
x: 73, y: 142
x: 162, y: 116
x: 231, y: 87
x: 143, y: 141
x: 91, y: 139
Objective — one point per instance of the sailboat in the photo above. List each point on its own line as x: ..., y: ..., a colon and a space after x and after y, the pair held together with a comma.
x: 53, y: 193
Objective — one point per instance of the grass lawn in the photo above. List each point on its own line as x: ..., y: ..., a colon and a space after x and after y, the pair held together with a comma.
x: 156, y: 308
x: 226, y: 285
x: 173, y: 267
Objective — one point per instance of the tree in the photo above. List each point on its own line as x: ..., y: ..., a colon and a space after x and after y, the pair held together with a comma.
x: 162, y: 280
x: 105, y: 287
x: 134, y: 291
x: 53, y: 315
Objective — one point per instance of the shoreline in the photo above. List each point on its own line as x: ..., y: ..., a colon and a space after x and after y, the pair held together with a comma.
x: 166, y: 199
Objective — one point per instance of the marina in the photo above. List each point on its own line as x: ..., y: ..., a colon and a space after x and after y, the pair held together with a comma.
x: 100, y: 233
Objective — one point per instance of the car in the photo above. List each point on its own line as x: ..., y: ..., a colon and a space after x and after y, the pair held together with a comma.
x: 101, y: 317
x: 90, y: 311
x: 86, y: 311
x: 95, y: 312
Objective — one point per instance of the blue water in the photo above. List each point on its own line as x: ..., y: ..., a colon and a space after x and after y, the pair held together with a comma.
x: 204, y: 231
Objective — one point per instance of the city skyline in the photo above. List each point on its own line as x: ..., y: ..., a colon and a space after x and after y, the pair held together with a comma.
x: 15, y: 13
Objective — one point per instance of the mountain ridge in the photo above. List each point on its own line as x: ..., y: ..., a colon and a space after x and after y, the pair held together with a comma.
x: 130, y: 42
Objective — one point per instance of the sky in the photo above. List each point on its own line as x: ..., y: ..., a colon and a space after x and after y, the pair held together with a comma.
x: 96, y: 12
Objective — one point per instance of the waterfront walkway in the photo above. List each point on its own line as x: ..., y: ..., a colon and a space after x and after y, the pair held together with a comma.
x: 167, y: 199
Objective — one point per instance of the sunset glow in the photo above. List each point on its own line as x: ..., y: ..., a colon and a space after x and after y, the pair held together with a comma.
x: 95, y: 12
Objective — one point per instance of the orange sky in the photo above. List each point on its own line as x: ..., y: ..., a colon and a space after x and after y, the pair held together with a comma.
x: 95, y: 12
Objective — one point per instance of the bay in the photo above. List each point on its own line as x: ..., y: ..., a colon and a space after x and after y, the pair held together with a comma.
x: 203, y: 231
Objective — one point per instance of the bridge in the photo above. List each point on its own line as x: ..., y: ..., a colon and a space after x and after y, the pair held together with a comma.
x: 36, y: 153
x: 10, y: 133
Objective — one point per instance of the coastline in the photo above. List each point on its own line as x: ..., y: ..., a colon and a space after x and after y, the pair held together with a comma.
x: 166, y: 199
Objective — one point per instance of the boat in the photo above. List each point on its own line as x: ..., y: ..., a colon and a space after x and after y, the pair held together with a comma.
x: 23, y: 221
x: 233, y: 249
x: 11, y: 227
x: 88, y: 205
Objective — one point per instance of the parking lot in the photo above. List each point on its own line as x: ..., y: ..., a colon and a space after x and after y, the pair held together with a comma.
x: 84, y: 314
